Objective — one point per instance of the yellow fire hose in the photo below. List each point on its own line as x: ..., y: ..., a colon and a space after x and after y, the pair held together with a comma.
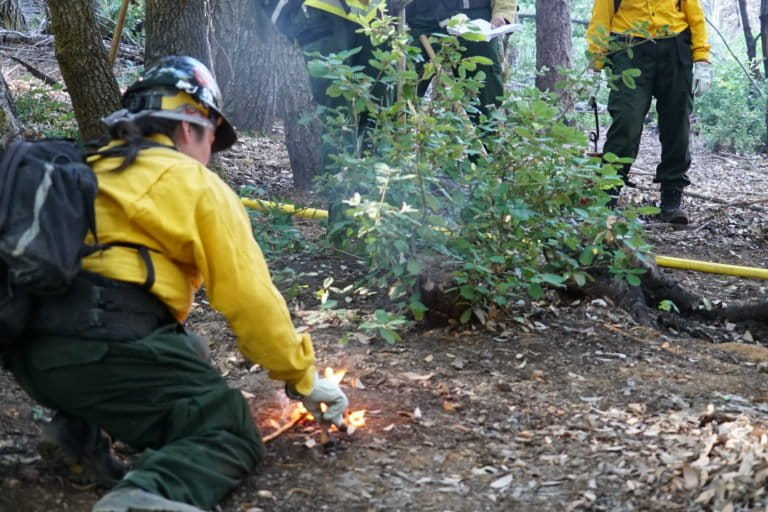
x: 713, y: 268
x: 305, y: 213
x: 662, y: 261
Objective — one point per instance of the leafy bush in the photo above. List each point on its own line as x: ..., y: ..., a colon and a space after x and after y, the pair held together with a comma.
x: 730, y: 116
x: 273, y: 229
x: 504, y: 207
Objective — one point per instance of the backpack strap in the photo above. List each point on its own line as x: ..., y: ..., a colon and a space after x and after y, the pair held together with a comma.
x: 143, y: 251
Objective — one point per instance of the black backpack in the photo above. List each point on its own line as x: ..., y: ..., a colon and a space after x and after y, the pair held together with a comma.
x: 47, y: 194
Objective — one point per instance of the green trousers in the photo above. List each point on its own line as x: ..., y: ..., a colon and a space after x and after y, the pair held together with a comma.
x: 157, y: 394
x: 333, y: 35
x: 493, y: 88
x: 666, y: 74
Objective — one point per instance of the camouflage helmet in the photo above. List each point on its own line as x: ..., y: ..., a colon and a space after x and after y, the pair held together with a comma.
x: 166, y: 88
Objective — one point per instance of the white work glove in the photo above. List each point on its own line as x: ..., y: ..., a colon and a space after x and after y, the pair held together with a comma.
x: 326, y: 391
x: 702, y: 77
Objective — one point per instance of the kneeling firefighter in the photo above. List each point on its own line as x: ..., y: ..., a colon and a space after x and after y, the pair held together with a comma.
x: 111, y: 353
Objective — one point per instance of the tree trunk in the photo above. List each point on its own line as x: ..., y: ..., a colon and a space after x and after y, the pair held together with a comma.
x: 12, y: 15
x: 84, y: 65
x: 9, y: 125
x: 246, y: 50
x: 304, y: 140
x: 553, y: 41
x: 178, y: 27
x: 750, y: 41
x: 764, y: 42
x: 262, y: 77
x: 764, y: 33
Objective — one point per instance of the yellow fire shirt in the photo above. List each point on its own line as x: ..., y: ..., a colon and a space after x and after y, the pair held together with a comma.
x: 661, y: 16
x: 198, y: 232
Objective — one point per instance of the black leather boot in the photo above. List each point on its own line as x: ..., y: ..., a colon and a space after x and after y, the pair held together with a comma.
x: 82, y: 450
x: 671, y: 211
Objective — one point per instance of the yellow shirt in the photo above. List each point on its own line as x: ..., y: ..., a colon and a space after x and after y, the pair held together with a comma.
x: 507, y: 9
x: 361, y: 11
x: 661, y: 16
x: 198, y: 232
x: 357, y: 11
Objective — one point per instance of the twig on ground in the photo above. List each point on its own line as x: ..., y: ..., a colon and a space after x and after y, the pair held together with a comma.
x: 273, y: 435
x: 34, y: 71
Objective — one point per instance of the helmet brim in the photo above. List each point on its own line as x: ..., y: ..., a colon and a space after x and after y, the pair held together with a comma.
x: 225, y: 136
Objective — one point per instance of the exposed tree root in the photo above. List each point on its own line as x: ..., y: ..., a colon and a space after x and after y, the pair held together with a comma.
x: 694, y: 315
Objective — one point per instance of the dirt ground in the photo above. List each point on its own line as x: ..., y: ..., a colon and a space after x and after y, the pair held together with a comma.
x: 568, y: 406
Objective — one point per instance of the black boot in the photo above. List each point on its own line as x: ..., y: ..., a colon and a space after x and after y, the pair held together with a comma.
x: 671, y: 210
x: 613, y: 193
x: 82, y: 450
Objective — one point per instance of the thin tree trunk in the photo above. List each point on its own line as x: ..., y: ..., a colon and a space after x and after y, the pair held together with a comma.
x: 303, y: 140
x: 764, y: 41
x: 748, y: 38
x: 178, y: 27
x: 246, y: 53
x: 9, y: 125
x: 764, y: 33
x: 553, y: 41
x: 12, y: 15
x: 84, y: 64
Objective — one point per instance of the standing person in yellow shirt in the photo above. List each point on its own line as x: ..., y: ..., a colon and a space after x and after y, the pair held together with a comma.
x: 111, y: 352
x: 668, y: 40
x: 427, y: 17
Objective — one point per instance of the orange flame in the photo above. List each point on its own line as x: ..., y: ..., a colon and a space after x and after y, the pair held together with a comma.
x: 335, y: 376
x: 354, y: 418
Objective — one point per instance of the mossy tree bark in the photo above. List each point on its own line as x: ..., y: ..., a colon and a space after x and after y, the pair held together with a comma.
x: 84, y: 64
x: 9, y: 125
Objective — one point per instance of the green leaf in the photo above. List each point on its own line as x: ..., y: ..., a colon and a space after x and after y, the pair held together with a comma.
x: 466, y: 316
x: 414, y: 268
x: 535, y: 290
x: 552, y: 279
x: 389, y: 335
x: 329, y: 304
x: 633, y: 280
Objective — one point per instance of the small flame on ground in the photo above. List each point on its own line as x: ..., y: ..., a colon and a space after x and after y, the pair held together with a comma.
x: 335, y: 376
x: 354, y: 419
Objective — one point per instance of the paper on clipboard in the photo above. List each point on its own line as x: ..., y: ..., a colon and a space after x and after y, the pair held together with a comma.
x: 460, y: 24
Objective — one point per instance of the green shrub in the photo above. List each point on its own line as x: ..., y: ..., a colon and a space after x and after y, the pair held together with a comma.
x: 731, y: 116
x: 505, y: 208
x: 43, y: 114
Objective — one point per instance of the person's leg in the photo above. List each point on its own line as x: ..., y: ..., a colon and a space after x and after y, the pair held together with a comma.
x: 493, y: 88
x: 81, y: 449
x: 418, y: 26
x: 337, y: 35
x: 154, y: 394
x: 674, y: 101
x: 628, y: 107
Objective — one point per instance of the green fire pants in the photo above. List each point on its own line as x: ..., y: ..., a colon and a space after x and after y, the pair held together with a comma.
x: 666, y: 74
x: 333, y: 35
x: 493, y: 88
x: 156, y: 394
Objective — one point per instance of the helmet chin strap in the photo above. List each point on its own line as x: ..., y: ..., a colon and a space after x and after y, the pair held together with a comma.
x: 189, y: 115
